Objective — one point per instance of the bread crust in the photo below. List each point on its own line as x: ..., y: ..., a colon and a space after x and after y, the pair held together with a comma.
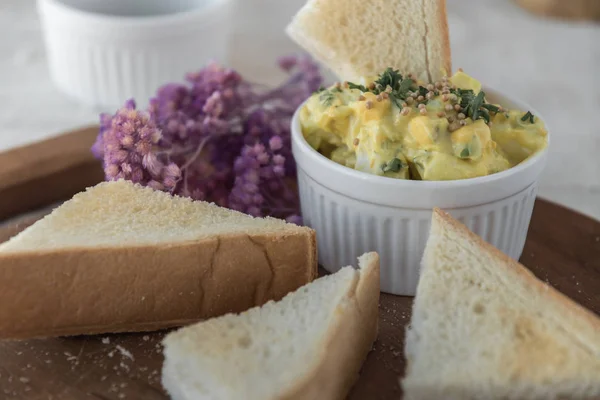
x: 97, y: 290
x: 443, y: 21
x: 587, y: 317
x: 350, y: 340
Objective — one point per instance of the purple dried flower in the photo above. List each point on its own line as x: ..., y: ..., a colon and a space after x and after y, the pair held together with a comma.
x: 216, y: 138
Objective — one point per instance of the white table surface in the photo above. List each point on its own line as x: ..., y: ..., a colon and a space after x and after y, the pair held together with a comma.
x: 551, y: 65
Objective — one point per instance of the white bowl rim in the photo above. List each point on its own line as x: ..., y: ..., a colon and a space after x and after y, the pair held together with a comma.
x: 409, y: 183
x: 128, y: 21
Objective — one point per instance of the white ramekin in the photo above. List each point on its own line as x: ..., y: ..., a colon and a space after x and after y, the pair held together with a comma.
x: 103, y: 52
x: 354, y: 212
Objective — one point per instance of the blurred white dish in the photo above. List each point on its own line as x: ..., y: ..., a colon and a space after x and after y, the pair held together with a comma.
x: 103, y: 52
x: 354, y: 212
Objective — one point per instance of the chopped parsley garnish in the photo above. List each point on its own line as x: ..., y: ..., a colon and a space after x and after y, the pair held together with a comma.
x: 474, y: 106
x: 528, y: 117
x: 394, y: 165
x: 392, y: 83
x: 327, y: 97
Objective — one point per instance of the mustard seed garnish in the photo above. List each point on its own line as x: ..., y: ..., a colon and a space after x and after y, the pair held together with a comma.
x: 372, y: 86
x: 430, y: 87
x: 404, y: 104
x: 338, y: 85
x: 450, y: 118
x: 388, y: 89
x: 430, y: 95
x: 361, y: 98
x: 410, y: 75
x: 448, y: 107
x: 405, y: 111
x: 420, y: 98
x: 463, y: 122
x: 409, y: 100
x: 379, y: 97
x: 421, y: 106
x: 346, y: 85
x: 461, y: 70
x: 414, y: 95
x: 438, y: 85
x: 356, y: 142
x: 423, y: 111
x: 461, y: 116
x: 385, y: 95
x: 453, y: 126
x: 369, y: 104
x: 441, y: 114
x: 457, y: 107
x: 444, y: 97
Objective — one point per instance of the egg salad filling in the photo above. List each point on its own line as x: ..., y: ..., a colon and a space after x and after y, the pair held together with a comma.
x: 401, y: 128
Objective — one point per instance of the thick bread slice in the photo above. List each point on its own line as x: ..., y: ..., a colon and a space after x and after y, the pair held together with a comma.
x: 483, y: 327
x: 359, y: 39
x: 310, y: 345
x: 121, y: 257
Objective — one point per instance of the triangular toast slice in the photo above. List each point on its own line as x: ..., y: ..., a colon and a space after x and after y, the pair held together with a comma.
x: 310, y: 345
x: 484, y: 327
x: 122, y: 257
x: 359, y: 39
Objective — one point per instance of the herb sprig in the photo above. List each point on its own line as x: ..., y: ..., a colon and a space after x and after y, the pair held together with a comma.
x: 393, y: 83
x: 474, y: 105
x: 528, y: 117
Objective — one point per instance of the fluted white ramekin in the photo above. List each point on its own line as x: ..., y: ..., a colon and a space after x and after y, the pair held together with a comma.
x: 354, y: 212
x: 103, y: 52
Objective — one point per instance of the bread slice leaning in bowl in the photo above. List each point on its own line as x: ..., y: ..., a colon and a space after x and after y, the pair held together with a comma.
x: 360, y: 39
x: 122, y: 257
x: 484, y: 327
x: 310, y: 345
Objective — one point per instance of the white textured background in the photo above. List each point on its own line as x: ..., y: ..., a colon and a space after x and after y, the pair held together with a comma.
x: 552, y: 65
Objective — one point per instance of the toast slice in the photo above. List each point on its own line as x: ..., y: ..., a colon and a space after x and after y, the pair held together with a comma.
x: 122, y: 257
x: 310, y: 345
x: 484, y: 327
x: 359, y: 39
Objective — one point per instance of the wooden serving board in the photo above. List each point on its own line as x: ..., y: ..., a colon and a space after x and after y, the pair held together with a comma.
x: 563, y: 249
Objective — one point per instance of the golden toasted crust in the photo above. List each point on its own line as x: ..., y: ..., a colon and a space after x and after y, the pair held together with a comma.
x: 95, y: 290
x: 349, y: 341
x: 542, y: 290
x: 443, y: 21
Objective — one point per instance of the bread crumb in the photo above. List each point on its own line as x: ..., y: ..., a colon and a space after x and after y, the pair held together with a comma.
x: 103, y: 378
x: 24, y: 379
x: 106, y: 340
x: 143, y: 298
x: 121, y: 395
x: 125, y: 353
x: 145, y: 338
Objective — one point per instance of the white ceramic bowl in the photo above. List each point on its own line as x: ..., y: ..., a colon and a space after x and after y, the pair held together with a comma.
x: 103, y: 52
x: 354, y: 212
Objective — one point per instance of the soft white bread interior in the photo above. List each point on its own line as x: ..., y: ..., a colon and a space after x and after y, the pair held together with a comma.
x: 121, y: 257
x: 483, y: 327
x: 309, y: 345
x: 359, y: 39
